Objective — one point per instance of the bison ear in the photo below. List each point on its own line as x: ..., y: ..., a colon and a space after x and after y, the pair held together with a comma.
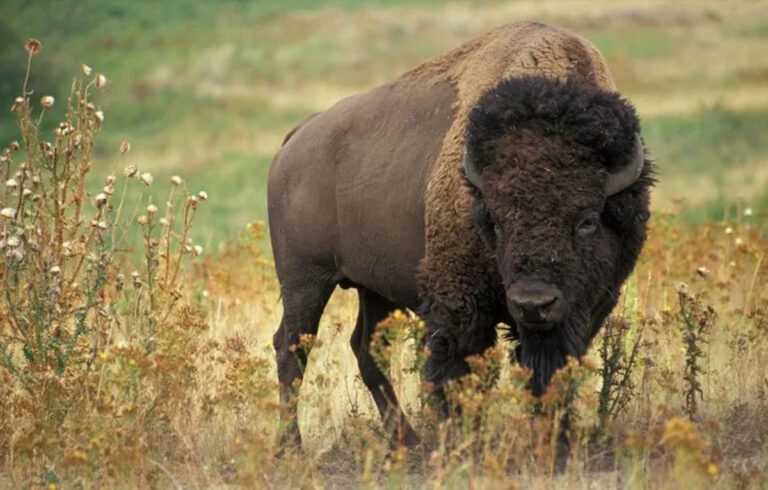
x: 470, y: 171
x: 628, y: 174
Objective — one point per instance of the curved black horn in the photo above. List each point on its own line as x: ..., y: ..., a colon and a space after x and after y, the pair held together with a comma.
x: 471, y: 171
x: 625, y: 177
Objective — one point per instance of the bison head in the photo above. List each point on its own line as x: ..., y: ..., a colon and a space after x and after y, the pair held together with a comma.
x: 560, y: 186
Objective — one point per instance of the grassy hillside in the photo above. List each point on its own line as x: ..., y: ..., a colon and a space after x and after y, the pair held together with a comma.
x: 210, y: 88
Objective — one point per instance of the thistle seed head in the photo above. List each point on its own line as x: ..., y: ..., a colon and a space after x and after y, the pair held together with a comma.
x: 47, y: 101
x: 101, y: 199
x: 18, y: 105
x: 33, y: 46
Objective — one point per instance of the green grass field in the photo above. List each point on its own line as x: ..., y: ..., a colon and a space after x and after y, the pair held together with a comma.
x: 209, y: 89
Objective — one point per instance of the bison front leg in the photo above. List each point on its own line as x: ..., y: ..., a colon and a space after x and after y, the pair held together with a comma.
x: 450, y: 341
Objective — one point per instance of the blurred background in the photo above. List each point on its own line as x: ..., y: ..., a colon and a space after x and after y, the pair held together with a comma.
x: 208, y: 89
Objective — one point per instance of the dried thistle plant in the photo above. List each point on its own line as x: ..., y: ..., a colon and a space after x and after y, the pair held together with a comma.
x: 618, y: 351
x: 696, y: 323
x: 65, y: 302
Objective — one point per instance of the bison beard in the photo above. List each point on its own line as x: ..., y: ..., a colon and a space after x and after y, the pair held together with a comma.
x: 547, y: 352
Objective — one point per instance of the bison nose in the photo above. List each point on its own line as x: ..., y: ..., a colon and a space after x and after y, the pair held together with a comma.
x: 535, y: 305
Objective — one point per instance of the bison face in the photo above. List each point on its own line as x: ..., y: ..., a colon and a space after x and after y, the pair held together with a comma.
x: 555, y: 253
x: 560, y: 202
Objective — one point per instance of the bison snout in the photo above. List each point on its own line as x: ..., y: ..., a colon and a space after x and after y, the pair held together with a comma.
x: 535, y: 305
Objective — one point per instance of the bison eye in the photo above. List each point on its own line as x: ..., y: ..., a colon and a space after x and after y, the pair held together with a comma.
x: 588, y: 225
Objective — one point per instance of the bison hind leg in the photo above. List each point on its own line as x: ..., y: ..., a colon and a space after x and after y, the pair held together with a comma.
x: 373, y: 309
x: 303, y: 303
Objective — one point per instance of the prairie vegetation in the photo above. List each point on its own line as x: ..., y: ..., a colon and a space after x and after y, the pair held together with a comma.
x: 136, y: 313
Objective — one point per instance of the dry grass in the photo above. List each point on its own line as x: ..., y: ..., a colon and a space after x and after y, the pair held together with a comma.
x: 651, y: 442
x: 657, y: 440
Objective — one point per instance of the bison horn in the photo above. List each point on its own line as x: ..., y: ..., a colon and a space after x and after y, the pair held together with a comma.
x: 473, y: 176
x: 625, y: 177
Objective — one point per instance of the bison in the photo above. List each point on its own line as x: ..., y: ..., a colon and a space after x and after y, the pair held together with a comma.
x: 502, y: 182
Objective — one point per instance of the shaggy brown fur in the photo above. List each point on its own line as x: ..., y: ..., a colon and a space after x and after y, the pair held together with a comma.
x: 542, y: 149
x: 450, y: 264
